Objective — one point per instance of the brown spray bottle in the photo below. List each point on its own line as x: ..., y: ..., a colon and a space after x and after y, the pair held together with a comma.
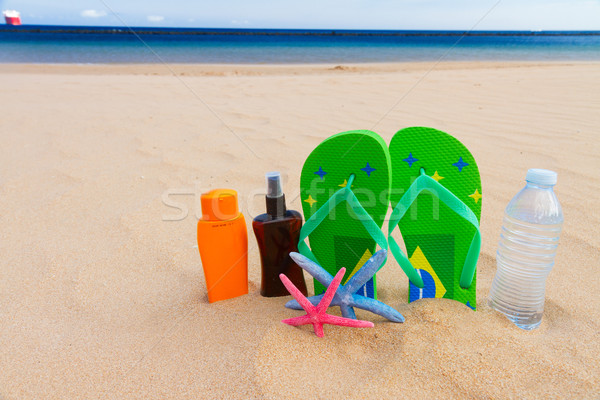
x: 277, y: 232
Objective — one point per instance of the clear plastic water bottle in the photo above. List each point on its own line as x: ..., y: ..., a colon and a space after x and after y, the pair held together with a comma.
x: 528, y: 241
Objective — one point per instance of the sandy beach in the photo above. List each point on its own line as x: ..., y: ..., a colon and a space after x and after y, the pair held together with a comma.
x: 102, y: 292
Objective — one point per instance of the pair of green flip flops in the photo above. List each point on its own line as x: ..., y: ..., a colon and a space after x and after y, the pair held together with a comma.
x: 431, y: 181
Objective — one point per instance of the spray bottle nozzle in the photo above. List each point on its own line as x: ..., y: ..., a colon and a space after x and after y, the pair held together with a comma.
x: 275, y: 198
x: 274, y: 184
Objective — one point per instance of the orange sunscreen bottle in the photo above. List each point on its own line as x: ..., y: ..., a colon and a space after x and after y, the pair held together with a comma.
x: 223, y: 245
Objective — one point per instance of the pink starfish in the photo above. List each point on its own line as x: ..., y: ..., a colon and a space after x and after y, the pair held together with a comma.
x: 317, y: 315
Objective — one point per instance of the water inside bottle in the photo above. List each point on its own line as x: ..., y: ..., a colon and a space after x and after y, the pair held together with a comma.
x: 524, y: 258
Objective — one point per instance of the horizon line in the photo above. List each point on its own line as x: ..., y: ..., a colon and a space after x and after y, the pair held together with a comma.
x: 119, y: 29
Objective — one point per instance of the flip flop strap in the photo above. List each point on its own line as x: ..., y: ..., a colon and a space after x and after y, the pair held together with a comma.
x: 424, y: 182
x: 362, y: 215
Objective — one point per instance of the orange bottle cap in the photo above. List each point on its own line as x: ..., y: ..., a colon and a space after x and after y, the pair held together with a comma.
x: 219, y: 205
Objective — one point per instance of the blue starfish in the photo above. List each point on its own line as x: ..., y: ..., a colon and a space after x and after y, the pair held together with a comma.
x: 345, y: 296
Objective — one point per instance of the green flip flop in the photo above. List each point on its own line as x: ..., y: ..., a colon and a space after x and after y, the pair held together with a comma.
x: 344, y: 187
x: 436, y: 200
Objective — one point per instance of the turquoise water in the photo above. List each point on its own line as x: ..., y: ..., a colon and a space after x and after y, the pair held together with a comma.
x: 68, y: 44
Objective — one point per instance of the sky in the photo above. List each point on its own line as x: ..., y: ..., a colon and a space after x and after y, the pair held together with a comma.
x: 317, y: 14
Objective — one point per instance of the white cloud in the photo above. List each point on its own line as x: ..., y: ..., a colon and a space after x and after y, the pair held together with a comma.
x: 155, y: 18
x: 93, y: 13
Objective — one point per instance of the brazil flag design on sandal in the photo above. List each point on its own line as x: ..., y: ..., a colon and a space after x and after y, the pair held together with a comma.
x: 436, y: 201
x: 344, y: 189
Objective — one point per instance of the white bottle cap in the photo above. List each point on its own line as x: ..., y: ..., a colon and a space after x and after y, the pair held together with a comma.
x: 541, y: 176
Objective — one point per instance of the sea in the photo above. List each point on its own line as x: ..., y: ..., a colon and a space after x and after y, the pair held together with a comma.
x: 110, y: 44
